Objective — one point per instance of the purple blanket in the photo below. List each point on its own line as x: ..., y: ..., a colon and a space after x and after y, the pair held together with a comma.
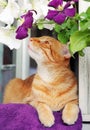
x: 24, y: 117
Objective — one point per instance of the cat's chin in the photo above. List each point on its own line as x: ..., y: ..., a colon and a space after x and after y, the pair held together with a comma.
x: 34, y: 55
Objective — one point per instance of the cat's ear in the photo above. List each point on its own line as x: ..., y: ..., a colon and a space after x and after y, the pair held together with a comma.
x: 65, y: 51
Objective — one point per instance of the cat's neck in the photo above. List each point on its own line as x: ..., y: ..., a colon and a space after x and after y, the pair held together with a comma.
x: 49, y: 72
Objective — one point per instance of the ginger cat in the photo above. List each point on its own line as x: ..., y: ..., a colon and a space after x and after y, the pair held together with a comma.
x: 52, y: 88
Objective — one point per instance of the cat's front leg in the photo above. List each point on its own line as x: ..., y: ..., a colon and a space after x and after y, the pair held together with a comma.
x: 45, y: 114
x: 70, y: 113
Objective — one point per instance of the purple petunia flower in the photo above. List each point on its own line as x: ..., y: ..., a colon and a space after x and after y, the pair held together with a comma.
x: 22, y: 31
x: 28, y: 19
x: 60, y: 11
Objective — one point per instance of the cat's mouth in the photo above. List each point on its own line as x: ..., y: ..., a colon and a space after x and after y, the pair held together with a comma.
x: 30, y: 48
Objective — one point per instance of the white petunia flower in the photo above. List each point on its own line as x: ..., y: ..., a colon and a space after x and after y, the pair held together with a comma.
x: 41, y: 8
x: 25, y: 6
x: 10, y: 12
x: 44, y: 6
x: 7, y: 37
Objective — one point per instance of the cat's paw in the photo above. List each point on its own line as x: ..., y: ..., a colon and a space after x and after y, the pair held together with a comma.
x: 70, y: 114
x: 47, y: 119
x: 45, y: 114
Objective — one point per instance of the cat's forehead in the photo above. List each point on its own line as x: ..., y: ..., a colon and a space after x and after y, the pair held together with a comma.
x: 48, y: 38
x: 45, y: 38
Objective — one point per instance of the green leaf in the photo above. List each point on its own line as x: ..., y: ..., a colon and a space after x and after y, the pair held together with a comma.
x: 57, y: 28
x: 69, y: 23
x: 73, y: 29
x: 87, y: 0
x: 82, y: 23
x: 62, y: 37
x: 88, y: 13
x: 81, y: 53
x: 41, y: 22
x: 83, y: 16
x: 85, y: 26
x: 64, y: 25
x: 79, y: 40
x: 88, y: 40
x: 40, y: 26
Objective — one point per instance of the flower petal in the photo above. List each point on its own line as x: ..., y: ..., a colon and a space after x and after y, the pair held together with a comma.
x: 10, y: 12
x: 41, y: 8
x: 7, y: 37
x: 60, y: 18
x: 70, y: 12
x: 55, y: 3
x: 6, y: 16
x: 44, y: 7
x: 28, y: 22
x: 75, y: 0
x: 21, y: 32
x: 67, y: 5
x: 51, y: 14
x: 14, y: 7
x: 28, y: 19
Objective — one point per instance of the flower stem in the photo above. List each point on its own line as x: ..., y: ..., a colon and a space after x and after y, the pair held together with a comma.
x: 44, y: 22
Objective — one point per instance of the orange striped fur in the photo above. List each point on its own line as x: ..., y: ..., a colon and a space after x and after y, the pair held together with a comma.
x: 52, y: 88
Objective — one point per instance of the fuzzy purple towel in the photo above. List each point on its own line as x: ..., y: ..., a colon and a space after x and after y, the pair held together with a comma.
x: 24, y: 117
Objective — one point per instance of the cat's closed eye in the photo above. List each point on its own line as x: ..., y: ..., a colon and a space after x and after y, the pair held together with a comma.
x: 44, y: 42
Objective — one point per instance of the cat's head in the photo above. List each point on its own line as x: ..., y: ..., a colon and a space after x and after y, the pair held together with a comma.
x: 47, y: 49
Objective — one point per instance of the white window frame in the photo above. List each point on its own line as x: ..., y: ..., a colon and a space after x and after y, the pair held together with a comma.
x: 22, y: 60
x: 84, y: 75
x: 22, y: 57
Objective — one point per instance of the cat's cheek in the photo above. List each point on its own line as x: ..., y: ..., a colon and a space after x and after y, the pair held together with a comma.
x: 31, y: 55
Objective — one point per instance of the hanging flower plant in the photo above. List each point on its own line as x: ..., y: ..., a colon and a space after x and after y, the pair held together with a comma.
x: 60, y: 16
